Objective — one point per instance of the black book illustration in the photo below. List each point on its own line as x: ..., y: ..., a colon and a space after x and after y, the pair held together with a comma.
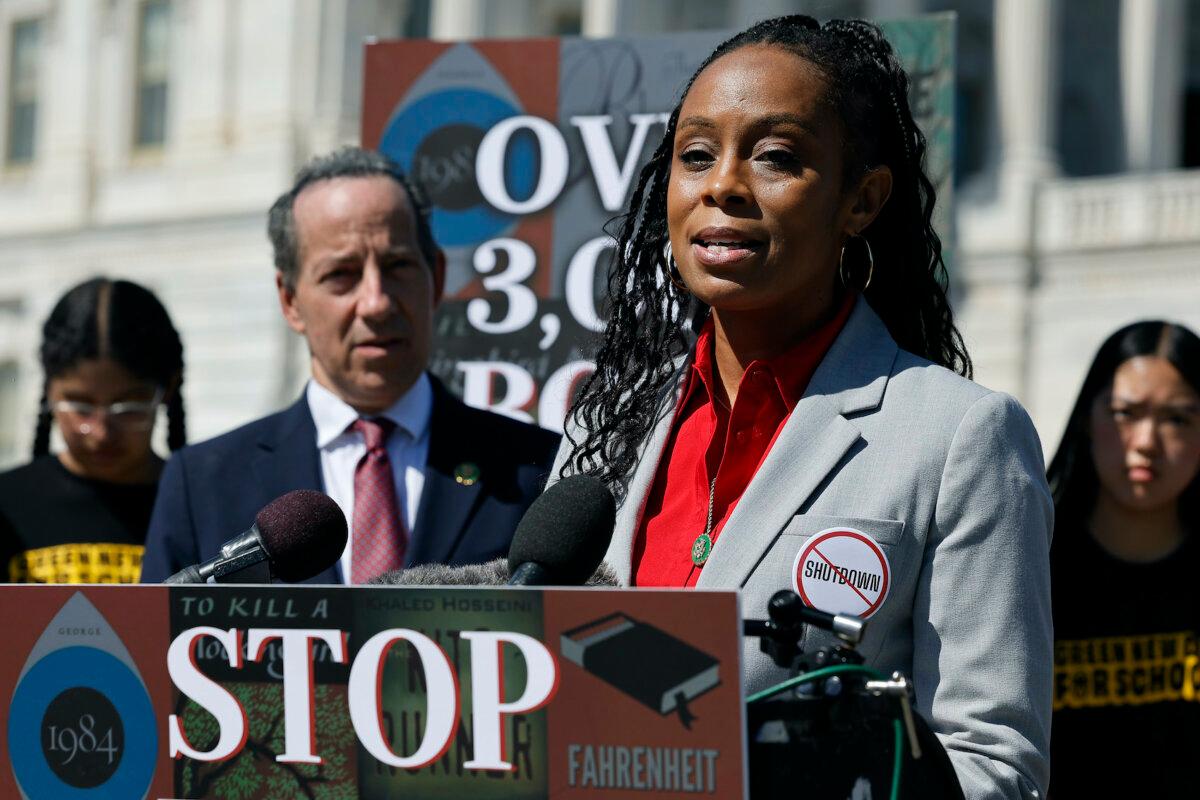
x: 645, y: 662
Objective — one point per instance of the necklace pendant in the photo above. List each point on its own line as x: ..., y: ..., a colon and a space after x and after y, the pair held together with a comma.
x: 701, y: 549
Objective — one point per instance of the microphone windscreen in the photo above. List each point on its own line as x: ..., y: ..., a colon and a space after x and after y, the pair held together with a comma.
x: 304, y: 533
x: 493, y: 573
x: 566, y: 530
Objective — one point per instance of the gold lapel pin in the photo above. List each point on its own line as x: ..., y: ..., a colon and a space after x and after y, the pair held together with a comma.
x: 466, y: 473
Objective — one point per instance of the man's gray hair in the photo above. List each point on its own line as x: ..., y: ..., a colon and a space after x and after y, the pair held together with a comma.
x: 345, y: 162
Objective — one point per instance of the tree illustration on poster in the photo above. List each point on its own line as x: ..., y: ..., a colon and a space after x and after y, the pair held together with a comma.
x: 254, y: 772
x: 526, y: 149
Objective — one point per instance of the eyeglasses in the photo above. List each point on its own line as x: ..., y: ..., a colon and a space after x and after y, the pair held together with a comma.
x: 129, y: 415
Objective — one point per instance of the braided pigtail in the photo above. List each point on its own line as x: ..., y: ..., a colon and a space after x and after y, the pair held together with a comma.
x: 176, y: 419
x: 41, y: 434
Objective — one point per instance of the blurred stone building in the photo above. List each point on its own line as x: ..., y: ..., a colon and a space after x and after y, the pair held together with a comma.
x: 146, y: 138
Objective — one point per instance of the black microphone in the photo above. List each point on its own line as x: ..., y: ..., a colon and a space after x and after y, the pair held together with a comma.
x: 789, y: 615
x: 564, y: 534
x: 293, y: 538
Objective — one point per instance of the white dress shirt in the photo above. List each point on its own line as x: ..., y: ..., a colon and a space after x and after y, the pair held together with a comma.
x: 341, y: 450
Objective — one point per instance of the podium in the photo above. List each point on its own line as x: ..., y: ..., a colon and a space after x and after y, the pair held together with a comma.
x: 426, y: 692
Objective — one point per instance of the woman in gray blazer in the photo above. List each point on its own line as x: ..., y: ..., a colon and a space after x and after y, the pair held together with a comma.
x: 786, y: 216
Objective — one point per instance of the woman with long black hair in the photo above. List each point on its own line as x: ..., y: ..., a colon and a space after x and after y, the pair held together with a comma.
x: 111, y: 359
x: 1126, y: 485
x: 820, y: 432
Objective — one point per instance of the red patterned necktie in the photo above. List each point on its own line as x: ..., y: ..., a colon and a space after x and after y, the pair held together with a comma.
x: 378, y: 535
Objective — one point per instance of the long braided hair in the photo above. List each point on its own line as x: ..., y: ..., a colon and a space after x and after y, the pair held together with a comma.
x: 648, y: 329
x: 118, y: 320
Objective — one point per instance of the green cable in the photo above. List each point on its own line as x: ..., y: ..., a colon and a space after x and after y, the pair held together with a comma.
x: 812, y: 676
x: 897, y: 762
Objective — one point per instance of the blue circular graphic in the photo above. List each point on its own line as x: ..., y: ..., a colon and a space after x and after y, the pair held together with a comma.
x: 65, y: 669
x: 426, y: 118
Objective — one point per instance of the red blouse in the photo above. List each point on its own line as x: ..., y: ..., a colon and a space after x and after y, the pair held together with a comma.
x: 707, y: 439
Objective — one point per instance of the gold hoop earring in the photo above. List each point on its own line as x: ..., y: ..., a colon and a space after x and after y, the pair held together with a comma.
x: 673, y: 271
x: 870, y: 265
x: 674, y: 275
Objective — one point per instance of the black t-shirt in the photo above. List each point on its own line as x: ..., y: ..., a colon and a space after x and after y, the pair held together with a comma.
x: 1126, y: 675
x: 56, y: 527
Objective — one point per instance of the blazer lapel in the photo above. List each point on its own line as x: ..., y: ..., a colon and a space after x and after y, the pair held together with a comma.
x: 816, y: 438
x: 629, y: 514
x: 287, y: 456
x: 812, y: 442
x: 446, y: 505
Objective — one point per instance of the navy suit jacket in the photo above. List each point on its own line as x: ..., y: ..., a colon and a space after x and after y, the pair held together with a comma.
x: 210, y: 492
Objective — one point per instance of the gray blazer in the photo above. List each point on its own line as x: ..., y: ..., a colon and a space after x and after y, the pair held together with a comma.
x: 948, y: 477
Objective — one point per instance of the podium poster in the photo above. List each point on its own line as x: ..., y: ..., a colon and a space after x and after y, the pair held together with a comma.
x: 526, y: 148
x: 333, y: 692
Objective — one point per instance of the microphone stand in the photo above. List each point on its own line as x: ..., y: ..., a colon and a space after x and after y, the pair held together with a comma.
x: 836, y: 727
x: 779, y: 637
x: 241, y: 560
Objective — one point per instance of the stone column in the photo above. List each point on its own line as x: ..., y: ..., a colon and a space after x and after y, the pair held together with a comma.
x: 997, y: 215
x: 1152, y: 55
x: 200, y: 90
x: 457, y: 19
x: 1026, y: 45
x: 601, y: 17
x: 66, y: 114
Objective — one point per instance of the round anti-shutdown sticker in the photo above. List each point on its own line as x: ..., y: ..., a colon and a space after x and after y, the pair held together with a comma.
x: 842, y: 571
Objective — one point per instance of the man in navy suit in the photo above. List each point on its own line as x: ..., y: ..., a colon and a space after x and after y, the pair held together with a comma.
x: 359, y: 276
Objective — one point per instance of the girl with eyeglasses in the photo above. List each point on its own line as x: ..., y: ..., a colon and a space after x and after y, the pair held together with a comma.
x: 111, y: 357
x: 1126, y: 484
